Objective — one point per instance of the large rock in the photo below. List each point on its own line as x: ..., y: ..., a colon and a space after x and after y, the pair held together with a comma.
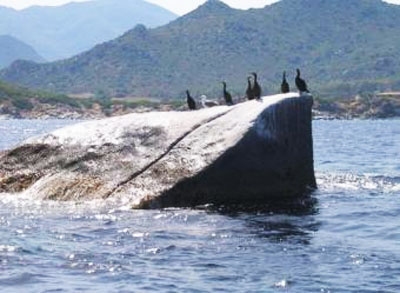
x: 250, y: 153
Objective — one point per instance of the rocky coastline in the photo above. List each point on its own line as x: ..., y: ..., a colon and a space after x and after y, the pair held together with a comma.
x: 380, y: 106
x: 375, y: 107
x: 41, y: 110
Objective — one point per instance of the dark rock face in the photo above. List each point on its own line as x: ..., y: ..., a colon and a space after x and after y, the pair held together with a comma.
x: 271, y: 162
x: 250, y: 153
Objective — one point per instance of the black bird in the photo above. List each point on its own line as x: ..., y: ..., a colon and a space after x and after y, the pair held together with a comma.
x: 256, y: 87
x: 249, y: 90
x: 190, y: 101
x: 284, y: 85
x: 227, y: 95
x: 300, y: 83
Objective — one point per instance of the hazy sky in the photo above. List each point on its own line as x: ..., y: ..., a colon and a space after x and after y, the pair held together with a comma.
x: 178, y: 6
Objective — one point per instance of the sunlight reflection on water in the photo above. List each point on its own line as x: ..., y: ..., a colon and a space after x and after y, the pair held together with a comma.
x: 346, y: 241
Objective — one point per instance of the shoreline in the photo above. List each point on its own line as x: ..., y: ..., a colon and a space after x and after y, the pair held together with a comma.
x: 317, y: 115
x: 338, y: 109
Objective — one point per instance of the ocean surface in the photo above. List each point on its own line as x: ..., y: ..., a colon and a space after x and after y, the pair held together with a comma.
x: 348, y: 241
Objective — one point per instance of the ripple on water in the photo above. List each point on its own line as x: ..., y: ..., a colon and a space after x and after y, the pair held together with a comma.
x: 16, y: 279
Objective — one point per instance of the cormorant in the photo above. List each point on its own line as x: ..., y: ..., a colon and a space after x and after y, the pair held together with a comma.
x: 227, y: 95
x: 256, y: 87
x: 284, y: 85
x: 300, y: 83
x: 206, y: 103
x: 249, y: 90
x: 190, y: 101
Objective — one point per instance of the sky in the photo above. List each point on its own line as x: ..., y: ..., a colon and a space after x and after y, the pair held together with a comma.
x: 179, y: 7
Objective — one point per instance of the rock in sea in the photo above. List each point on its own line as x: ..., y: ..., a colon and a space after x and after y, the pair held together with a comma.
x: 251, y: 153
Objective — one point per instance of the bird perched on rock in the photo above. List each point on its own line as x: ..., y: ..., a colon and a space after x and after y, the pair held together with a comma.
x: 256, y: 87
x: 190, y: 101
x: 206, y: 103
x: 249, y: 90
x: 300, y: 83
x: 284, y: 85
x: 227, y: 95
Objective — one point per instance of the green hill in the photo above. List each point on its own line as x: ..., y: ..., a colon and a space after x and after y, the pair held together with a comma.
x: 12, y: 49
x: 342, y: 47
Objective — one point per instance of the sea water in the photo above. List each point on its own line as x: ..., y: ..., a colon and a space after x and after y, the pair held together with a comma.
x: 348, y: 241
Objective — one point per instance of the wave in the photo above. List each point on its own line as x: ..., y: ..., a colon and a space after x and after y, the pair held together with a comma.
x: 23, y: 203
x: 357, y: 182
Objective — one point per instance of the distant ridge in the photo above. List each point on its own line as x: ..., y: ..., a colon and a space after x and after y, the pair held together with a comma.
x: 342, y: 48
x: 12, y: 49
x: 58, y: 32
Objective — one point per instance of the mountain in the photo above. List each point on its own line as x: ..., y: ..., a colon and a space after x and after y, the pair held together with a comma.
x: 12, y: 49
x: 342, y: 47
x: 63, y: 31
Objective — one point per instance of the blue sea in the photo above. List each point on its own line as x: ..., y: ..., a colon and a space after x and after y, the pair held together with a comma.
x: 348, y: 241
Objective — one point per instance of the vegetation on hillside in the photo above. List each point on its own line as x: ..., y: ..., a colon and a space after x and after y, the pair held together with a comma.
x: 21, y: 102
x: 22, y: 98
x: 12, y: 49
x: 344, y: 48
